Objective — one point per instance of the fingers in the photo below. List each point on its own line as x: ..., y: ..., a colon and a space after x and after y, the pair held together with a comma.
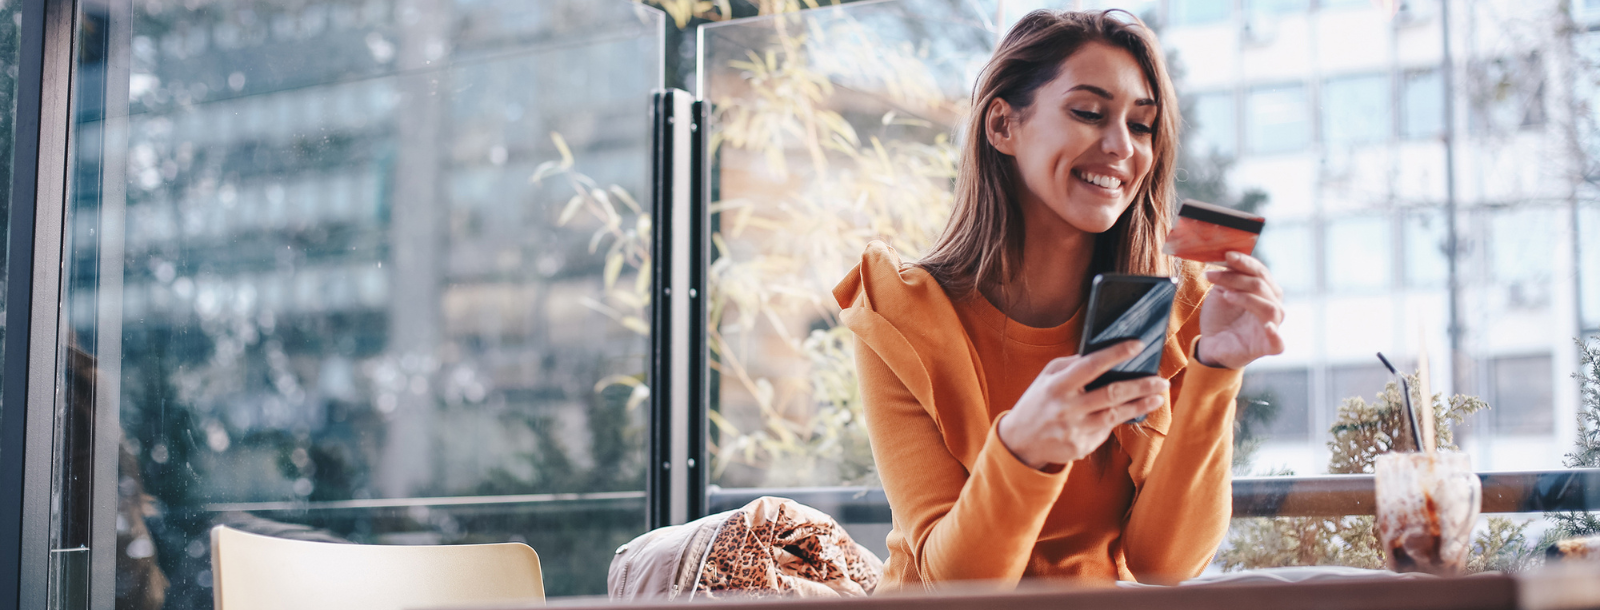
x: 1242, y: 282
x: 1059, y: 364
x: 1086, y: 368
x: 1123, y: 392
x: 1274, y: 339
x: 1244, y: 264
x: 1267, y: 310
x: 1114, y: 416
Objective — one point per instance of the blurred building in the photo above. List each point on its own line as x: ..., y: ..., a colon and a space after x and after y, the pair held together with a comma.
x: 1335, y: 110
x: 305, y: 241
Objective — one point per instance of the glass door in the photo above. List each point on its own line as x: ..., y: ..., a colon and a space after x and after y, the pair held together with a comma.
x: 358, y: 270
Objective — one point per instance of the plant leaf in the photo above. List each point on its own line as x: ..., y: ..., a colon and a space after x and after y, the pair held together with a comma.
x: 561, y: 147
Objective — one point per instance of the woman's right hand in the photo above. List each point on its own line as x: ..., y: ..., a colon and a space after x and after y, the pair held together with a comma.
x: 1057, y: 422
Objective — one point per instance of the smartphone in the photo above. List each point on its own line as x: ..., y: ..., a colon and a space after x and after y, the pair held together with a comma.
x: 1123, y: 307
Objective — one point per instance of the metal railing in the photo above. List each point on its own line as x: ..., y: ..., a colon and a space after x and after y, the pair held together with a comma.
x: 1313, y: 496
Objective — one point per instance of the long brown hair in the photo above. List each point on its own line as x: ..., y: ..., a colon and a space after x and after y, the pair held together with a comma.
x: 982, y: 244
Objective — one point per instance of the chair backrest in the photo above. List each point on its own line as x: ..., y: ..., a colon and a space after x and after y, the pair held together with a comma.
x: 253, y: 572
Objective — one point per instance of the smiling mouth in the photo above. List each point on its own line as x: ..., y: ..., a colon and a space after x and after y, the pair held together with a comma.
x: 1106, y: 182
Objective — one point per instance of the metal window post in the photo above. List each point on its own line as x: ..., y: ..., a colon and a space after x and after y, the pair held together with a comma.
x: 38, y: 198
x: 676, y: 479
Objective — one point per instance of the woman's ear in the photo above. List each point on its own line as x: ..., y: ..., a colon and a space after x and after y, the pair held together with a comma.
x: 999, y: 123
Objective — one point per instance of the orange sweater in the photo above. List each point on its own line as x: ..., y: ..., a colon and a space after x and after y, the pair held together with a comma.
x: 936, y: 377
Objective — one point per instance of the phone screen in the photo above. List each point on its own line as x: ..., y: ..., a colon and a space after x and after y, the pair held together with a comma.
x: 1123, y: 307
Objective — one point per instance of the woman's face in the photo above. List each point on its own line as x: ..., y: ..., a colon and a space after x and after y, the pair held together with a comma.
x: 1083, y: 148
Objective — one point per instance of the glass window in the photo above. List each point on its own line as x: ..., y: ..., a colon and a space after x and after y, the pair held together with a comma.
x: 1200, y: 12
x: 1522, y: 244
x: 1276, y: 404
x: 1358, y: 254
x: 1522, y: 397
x: 1355, y: 110
x: 1212, y: 127
x: 380, y: 278
x: 1427, y: 237
x: 1422, y: 104
x: 1288, y: 250
x: 1276, y: 119
x: 1353, y: 381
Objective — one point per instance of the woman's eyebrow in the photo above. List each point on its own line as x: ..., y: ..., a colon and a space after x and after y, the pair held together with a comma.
x: 1107, y: 95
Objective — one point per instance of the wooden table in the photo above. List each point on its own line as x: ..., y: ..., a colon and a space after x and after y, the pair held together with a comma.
x: 1562, y: 587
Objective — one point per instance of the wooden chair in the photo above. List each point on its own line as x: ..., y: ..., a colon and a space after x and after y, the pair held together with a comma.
x: 254, y: 572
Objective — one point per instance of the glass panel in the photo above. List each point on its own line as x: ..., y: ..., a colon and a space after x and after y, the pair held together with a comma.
x: 871, y: 156
x: 1422, y: 105
x: 1276, y: 119
x: 1212, y: 128
x: 1278, y: 406
x: 367, y: 271
x: 1355, y: 110
x: 1358, y: 254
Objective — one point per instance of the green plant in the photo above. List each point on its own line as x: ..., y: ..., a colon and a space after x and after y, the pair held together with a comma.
x: 1586, y: 450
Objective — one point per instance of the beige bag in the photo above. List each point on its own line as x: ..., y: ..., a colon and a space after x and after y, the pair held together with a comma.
x: 771, y: 547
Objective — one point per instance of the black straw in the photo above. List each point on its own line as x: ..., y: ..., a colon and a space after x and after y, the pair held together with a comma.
x: 1411, y: 413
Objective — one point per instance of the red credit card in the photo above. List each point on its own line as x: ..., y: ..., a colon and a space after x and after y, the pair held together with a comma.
x: 1206, y: 233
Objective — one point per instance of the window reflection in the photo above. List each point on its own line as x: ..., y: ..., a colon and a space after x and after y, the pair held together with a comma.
x: 1277, y: 119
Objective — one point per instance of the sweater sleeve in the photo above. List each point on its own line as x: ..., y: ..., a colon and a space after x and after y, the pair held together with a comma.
x: 1181, y: 512
x: 959, y: 525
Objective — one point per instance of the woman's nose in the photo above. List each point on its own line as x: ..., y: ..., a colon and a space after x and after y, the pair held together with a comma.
x: 1117, y: 142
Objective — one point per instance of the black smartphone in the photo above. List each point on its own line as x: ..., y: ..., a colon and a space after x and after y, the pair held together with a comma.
x: 1123, y: 307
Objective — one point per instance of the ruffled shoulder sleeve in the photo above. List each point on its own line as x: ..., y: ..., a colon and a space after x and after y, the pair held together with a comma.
x: 904, y: 316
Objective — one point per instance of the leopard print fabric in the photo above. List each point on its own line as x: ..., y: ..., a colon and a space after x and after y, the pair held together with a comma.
x: 775, y: 547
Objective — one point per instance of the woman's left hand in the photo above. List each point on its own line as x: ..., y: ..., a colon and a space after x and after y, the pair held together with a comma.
x: 1239, y: 320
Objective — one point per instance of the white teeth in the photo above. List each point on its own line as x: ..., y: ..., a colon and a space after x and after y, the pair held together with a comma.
x: 1100, y: 181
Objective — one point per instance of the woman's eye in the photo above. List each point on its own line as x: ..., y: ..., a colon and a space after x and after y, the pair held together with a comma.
x: 1141, y: 128
x: 1086, y: 115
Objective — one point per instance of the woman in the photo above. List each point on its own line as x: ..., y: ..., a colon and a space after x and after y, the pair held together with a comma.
x: 997, y: 464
